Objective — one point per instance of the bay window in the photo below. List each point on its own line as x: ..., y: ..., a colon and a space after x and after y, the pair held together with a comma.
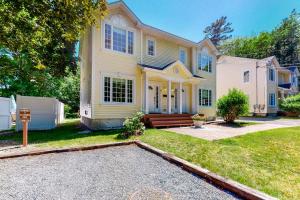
x: 117, y: 90
x: 118, y: 39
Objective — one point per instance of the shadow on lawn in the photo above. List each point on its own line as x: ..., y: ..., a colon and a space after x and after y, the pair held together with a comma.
x: 66, y: 131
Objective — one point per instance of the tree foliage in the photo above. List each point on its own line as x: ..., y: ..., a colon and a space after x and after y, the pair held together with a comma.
x: 46, y: 31
x: 38, y: 46
x: 291, y: 104
x: 219, y: 31
x: 283, y: 42
x: 232, y: 105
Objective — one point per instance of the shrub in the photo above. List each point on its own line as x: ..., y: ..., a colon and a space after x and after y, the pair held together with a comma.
x: 68, y: 112
x: 233, y: 105
x: 291, y: 104
x: 133, y: 125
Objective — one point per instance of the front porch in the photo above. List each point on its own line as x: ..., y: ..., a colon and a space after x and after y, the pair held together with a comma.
x: 169, y: 90
x: 167, y: 120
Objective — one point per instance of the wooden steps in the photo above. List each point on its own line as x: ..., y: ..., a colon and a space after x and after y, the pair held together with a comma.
x: 168, y: 120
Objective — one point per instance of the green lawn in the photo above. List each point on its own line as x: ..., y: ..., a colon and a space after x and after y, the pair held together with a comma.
x: 66, y: 135
x: 268, y: 161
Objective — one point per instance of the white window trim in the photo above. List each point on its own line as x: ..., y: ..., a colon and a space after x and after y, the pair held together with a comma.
x: 274, y: 74
x: 275, y: 100
x: 147, y: 52
x: 206, y: 54
x: 186, y: 56
x: 243, y: 80
x: 122, y: 76
x: 203, y: 106
x: 111, y: 48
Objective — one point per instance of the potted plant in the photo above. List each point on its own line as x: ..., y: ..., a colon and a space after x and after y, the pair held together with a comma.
x: 199, y: 120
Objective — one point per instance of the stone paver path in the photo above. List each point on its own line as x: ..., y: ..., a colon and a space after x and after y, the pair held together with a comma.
x: 216, y: 132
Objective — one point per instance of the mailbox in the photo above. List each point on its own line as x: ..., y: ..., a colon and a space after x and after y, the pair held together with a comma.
x: 24, y: 114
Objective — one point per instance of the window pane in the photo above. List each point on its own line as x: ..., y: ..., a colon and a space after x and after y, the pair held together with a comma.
x: 182, y: 56
x: 107, y: 36
x: 209, y: 97
x: 151, y: 48
x: 119, y: 40
x: 130, y: 42
x: 129, y: 91
x: 200, y: 97
x: 209, y: 63
x: 204, y: 63
x: 205, y: 97
x: 106, y: 89
x: 118, y: 92
x: 246, y: 76
x: 199, y: 61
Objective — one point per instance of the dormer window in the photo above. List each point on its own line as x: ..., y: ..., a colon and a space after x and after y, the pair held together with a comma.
x: 151, y: 47
x: 119, y: 39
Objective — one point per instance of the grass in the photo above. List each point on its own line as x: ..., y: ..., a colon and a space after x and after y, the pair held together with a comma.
x: 66, y: 135
x: 238, y: 124
x: 268, y: 161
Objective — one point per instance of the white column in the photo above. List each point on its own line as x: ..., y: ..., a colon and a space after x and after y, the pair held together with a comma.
x: 180, y: 98
x: 169, y: 97
x: 194, y: 99
x: 146, y: 91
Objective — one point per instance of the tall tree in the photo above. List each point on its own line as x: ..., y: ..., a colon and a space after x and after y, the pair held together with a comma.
x: 219, y: 31
x: 287, y: 40
x: 47, y: 30
x: 283, y: 42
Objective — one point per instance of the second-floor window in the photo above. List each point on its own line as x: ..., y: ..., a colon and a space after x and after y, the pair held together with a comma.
x: 246, y: 76
x: 151, y: 47
x: 118, y: 39
x: 205, y: 62
x: 182, y: 55
x: 271, y: 74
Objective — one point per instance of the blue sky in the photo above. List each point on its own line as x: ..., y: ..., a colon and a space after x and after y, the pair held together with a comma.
x: 188, y: 20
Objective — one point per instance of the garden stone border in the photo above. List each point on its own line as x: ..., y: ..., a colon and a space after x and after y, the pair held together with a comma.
x: 240, y: 190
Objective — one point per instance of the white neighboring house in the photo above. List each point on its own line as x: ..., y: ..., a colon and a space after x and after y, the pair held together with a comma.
x: 46, y: 113
x: 5, y: 113
x: 259, y: 79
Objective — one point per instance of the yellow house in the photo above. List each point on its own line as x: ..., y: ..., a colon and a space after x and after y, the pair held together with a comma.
x: 128, y: 66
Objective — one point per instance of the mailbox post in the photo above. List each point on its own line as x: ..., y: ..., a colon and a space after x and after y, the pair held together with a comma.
x: 25, y: 117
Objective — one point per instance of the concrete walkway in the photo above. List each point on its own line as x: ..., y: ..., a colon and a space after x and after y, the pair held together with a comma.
x: 218, y: 131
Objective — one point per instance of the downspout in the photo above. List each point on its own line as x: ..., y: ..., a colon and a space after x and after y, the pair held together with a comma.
x: 256, y: 96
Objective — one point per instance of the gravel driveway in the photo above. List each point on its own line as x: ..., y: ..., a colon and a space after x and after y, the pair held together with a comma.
x: 126, y: 172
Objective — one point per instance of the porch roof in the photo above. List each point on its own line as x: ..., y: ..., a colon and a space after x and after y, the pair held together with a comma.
x: 165, y: 67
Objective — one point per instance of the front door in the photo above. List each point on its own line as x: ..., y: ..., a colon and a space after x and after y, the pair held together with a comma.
x: 185, y: 99
x: 154, y: 98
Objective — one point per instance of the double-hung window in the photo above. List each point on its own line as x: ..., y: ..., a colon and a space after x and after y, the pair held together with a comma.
x: 271, y: 74
x: 151, y: 47
x: 182, y: 55
x: 204, y: 62
x: 118, y: 39
x: 246, y: 77
x: 118, y: 90
x: 272, y: 99
x: 205, y: 97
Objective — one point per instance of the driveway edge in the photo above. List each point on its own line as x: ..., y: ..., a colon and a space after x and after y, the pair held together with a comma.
x: 240, y: 190
x: 63, y: 150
